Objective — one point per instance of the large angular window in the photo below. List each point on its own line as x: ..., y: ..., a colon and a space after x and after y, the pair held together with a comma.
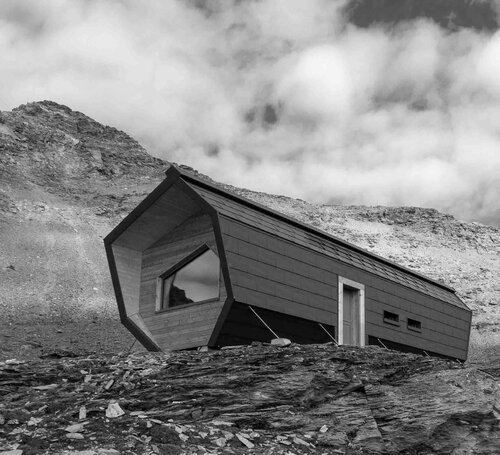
x: 195, y: 279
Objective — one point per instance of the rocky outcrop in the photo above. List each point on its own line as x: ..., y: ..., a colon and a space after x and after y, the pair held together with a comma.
x: 67, y: 153
x: 317, y: 399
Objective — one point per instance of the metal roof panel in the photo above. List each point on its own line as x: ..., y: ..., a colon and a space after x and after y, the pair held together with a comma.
x: 257, y: 215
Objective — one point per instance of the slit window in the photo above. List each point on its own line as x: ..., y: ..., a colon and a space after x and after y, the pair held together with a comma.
x: 414, y: 325
x: 391, y: 318
x: 192, y: 282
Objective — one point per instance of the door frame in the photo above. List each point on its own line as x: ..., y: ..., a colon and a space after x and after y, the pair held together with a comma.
x: 340, y: 309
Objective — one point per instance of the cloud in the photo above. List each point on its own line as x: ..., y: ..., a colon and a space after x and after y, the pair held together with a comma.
x: 488, y: 66
x: 274, y: 95
x: 316, y: 88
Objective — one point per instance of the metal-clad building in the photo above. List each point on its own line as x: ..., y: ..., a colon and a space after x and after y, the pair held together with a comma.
x: 194, y: 265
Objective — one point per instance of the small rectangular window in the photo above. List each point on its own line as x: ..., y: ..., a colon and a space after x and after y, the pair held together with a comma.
x: 391, y: 318
x: 414, y: 325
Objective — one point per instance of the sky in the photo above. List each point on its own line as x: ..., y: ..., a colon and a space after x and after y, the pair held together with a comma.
x: 281, y: 96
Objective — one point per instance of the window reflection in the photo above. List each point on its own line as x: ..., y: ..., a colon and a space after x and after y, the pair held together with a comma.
x: 196, y: 281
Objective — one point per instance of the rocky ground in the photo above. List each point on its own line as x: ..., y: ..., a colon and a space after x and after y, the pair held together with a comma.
x: 261, y: 399
x: 66, y: 180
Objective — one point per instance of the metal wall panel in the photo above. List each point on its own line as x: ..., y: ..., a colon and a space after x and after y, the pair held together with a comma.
x: 304, y: 283
x: 255, y: 216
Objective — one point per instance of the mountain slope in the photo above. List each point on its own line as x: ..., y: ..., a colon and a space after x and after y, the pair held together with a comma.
x: 66, y: 180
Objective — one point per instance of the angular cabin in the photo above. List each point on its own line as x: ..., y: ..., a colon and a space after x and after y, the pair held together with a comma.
x: 194, y: 265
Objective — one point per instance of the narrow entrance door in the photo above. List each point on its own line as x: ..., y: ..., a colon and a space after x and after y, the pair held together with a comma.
x: 351, y: 316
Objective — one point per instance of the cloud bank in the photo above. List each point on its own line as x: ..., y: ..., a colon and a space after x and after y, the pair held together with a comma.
x: 282, y: 96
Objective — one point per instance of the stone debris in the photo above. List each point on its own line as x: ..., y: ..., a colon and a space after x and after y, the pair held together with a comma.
x: 34, y: 421
x: 82, y: 413
x: 75, y: 436
x: 75, y: 428
x: 221, y: 442
x: 114, y: 410
x: 261, y: 399
x: 244, y: 441
x: 297, y: 440
x: 280, y: 342
x: 45, y: 387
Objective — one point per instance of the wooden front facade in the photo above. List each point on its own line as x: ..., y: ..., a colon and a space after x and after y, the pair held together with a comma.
x: 305, y: 284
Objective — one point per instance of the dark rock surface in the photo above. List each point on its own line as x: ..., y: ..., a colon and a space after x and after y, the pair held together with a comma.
x: 261, y: 399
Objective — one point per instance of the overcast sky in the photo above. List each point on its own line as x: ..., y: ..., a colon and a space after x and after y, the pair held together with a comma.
x: 279, y: 96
